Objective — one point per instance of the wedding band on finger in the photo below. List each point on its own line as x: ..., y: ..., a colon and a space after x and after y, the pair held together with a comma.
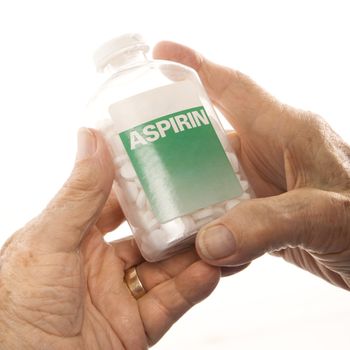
x: 134, y: 284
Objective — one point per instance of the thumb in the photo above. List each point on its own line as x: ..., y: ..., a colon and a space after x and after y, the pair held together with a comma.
x: 78, y: 204
x: 306, y: 218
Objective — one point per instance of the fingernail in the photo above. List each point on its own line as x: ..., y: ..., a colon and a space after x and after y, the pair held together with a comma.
x: 216, y: 242
x: 86, y: 144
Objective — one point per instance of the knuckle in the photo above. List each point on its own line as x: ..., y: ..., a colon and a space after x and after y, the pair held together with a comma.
x: 331, y: 219
x: 318, y: 153
x: 342, y: 211
x: 309, y: 131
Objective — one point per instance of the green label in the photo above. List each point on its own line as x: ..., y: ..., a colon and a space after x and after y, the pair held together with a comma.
x: 181, y: 163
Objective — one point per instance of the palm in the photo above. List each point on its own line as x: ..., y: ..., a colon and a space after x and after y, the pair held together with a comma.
x: 82, y: 302
x: 62, y: 286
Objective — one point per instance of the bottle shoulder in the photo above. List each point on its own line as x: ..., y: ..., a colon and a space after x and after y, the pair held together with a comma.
x: 135, y: 80
x: 144, y: 76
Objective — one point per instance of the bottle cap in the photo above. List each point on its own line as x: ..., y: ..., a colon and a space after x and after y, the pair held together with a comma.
x: 126, y: 43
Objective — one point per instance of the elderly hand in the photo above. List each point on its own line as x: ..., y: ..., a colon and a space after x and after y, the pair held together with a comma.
x: 290, y: 156
x: 62, y: 286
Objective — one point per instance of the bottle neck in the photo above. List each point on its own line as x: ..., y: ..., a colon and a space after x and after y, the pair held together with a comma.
x: 125, y: 60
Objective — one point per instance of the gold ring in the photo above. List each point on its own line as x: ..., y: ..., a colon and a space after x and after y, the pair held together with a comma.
x: 134, y: 284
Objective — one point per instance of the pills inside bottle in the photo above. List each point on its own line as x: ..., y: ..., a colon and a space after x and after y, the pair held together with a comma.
x: 175, y: 170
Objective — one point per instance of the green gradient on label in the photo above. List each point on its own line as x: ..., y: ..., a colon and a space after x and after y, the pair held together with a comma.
x: 184, y: 170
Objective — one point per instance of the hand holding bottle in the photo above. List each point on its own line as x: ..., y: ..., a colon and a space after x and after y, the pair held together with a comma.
x: 295, y: 162
x: 62, y: 286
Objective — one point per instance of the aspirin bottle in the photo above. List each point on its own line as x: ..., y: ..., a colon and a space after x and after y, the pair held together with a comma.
x: 175, y: 170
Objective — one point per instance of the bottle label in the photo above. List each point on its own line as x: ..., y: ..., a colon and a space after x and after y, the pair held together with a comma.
x: 180, y: 163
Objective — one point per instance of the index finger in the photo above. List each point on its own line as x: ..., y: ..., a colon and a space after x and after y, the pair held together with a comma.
x: 243, y: 102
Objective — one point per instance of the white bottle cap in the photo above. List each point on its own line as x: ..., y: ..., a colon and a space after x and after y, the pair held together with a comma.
x: 126, y: 43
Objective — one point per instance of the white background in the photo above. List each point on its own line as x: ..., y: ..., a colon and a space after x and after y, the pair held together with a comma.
x: 298, y: 50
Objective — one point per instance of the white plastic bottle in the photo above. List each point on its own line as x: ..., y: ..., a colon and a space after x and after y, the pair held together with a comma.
x: 175, y: 170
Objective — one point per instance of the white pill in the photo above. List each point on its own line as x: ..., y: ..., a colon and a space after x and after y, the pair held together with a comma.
x: 141, y: 200
x: 232, y: 203
x: 132, y: 190
x: 175, y: 226
x: 179, y: 227
x: 217, y: 212
x: 221, y: 204
x: 244, y: 185
x: 148, y: 252
x: 121, y: 159
x: 148, y: 205
x: 116, y: 144
x: 233, y: 160
x: 148, y: 220
x: 189, y: 223
x: 201, y: 214
x: 244, y: 196
x: 127, y: 171
x: 203, y: 222
x: 153, y: 224
x: 157, y: 240
x: 138, y: 183
x: 145, y: 216
x: 106, y: 126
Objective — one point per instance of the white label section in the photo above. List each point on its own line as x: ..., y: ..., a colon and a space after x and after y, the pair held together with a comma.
x: 152, y: 104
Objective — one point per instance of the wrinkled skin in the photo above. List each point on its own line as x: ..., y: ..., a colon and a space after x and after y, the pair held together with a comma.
x: 290, y: 156
x: 62, y: 286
